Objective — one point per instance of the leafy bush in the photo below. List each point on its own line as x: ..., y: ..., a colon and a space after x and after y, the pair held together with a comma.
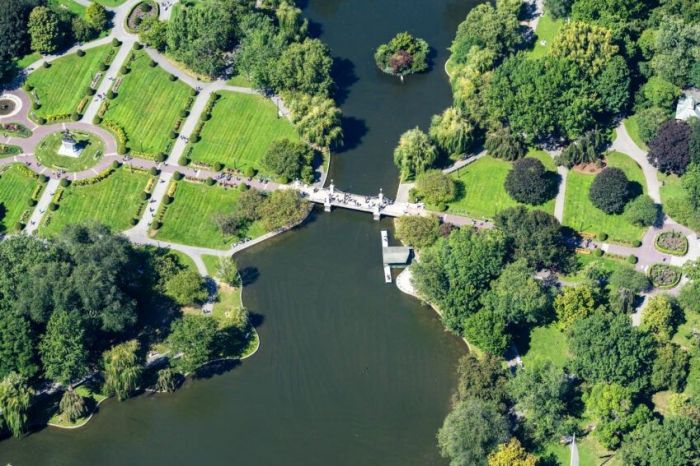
x: 610, y: 190
x: 649, y: 120
x: 642, y: 211
x: 435, y: 188
x: 529, y: 183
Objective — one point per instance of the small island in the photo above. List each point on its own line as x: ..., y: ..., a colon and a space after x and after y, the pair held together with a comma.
x: 403, y: 55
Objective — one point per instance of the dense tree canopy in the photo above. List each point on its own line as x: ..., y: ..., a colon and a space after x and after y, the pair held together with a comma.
x: 435, y: 188
x: 414, y: 154
x: 417, y: 231
x: 290, y: 160
x: 671, y: 443
x: 669, y: 150
x: 402, y: 55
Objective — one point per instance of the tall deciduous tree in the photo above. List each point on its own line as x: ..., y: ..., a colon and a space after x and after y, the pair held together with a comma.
x: 610, y: 190
x: 195, y: 336
x: 419, y: 232
x: 414, y: 154
x: 316, y: 118
x: 305, y: 67
x: 673, y: 443
x: 15, y: 398
x: 62, y: 348
x: 505, y: 144
x: 512, y: 454
x: 669, y: 150
x: 453, y: 132
x: 122, y: 369
x: 588, y: 45
x: 44, y: 29
x: 487, y: 27
x: 528, y: 182
x: 436, y: 188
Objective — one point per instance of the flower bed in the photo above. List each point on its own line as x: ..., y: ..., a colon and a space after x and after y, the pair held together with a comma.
x: 672, y: 242
x: 8, y: 149
x: 143, y: 10
x: 664, y: 276
x: 15, y: 130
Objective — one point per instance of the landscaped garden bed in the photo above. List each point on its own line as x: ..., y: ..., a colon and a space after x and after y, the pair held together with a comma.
x: 672, y: 242
x: 91, y: 151
x: 17, y: 130
x: 664, y: 276
x: 8, y: 150
x: 140, y: 12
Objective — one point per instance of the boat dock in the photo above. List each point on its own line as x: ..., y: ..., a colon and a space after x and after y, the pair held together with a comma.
x: 393, y: 256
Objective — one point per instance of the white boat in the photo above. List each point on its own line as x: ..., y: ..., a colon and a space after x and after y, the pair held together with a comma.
x: 387, y: 274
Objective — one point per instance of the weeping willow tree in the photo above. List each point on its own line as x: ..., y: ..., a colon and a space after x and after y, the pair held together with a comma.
x: 72, y: 406
x: 122, y: 369
x: 166, y: 382
x: 452, y: 132
x: 15, y: 396
x: 589, y: 148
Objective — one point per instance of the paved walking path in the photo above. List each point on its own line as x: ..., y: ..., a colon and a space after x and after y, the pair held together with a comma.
x: 41, y: 206
x: 624, y: 143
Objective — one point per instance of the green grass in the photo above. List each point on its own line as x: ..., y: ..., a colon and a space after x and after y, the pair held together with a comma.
x: 632, y: 127
x: 185, y: 260
x: 190, y: 217
x: 16, y: 189
x: 580, y: 213
x: 110, y: 3
x: 28, y: 59
x: 481, y: 191
x: 240, y: 131
x: 606, y: 263
x: 239, y: 80
x: 547, y: 344
x: 547, y: 29
x: 591, y: 453
x: 70, y: 5
x: 148, y: 106
x: 212, y: 264
x: 47, y: 152
x: 227, y: 299
x: 113, y: 201
x: 671, y: 188
x: 92, y: 399
x: 61, y: 87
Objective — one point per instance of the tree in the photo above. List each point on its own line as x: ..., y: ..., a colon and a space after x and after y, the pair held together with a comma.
x: 403, y: 55
x: 558, y: 8
x: 122, y: 369
x: 535, y: 236
x: 166, y: 381
x: 660, y: 317
x: 611, y: 406
x: 82, y: 30
x: 694, y: 140
x: 248, y: 204
x: 613, y: 85
x: 452, y: 132
x: 625, y: 284
x: 305, y: 67
x: 486, y: 27
x: 72, y: 406
x: 15, y: 399
x: 289, y: 160
x: 517, y: 296
x: 62, y: 348
x: 669, y: 151
x: 187, y: 288
x: 540, y: 392
x: 415, y: 154
x: 283, y: 209
x: 487, y: 330
x: 17, y: 345
x: 153, y: 33
x: 670, y: 368
x: 227, y: 271
x: 456, y: 270
x: 610, y: 190
x: 259, y: 51
x: 44, y: 30
x: 588, y: 148
x: 677, y: 49
x: 642, y: 211
x: 316, y: 118
x: 195, y: 336
x: 293, y: 26
x: 606, y: 348
x: 482, y: 378
x: 436, y: 188
x: 649, y: 120
x: 673, y: 443
x: 96, y: 16
x: 528, y: 182
x: 419, y: 232
x: 689, y: 297
x: 503, y: 143
x: 471, y: 431
x: 589, y: 45
x: 660, y: 93
x: 512, y: 454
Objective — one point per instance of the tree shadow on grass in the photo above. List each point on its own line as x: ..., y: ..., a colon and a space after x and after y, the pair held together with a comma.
x: 553, y: 180
x: 3, y: 214
x: 635, y: 189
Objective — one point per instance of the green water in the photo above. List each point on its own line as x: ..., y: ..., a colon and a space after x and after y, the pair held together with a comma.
x: 351, y: 371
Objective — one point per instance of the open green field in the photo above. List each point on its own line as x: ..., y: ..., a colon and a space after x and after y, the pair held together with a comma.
x: 480, y: 187
x: 91, y: 152
x: 547, y: 344
x: 190, y: 219
x: 16, y: 188
x: 580, y: 213
x: 240, y: 131
x: 113, y: 201
x: 547, y: 29
x: 148, y: 106
x: 61, y: 87
x: 632, y: 128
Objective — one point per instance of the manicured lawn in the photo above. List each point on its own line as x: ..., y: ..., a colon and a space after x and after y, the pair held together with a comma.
x: 239, y: 80
x: 630, y: 167
x: 185, y: 260
x: 240, y: 131
x: 70, y: 5
x: 28, y: 59
x: 547, y: 29
x: 113, y: 201
x: 110, y: 3
x: 632, y: 128
x: 148, y: 106
x: 671, y: 187
x: 212, y: 264
x: 589, y: 450
x: 16, y: 189
x: 583, y: 216
x: 92, y: 151
x: 606, y: 263
x: 190, y: 219
x: 481, y: 191
x: 61, y: 87
x: 547, y: 344
x: 227, y: 299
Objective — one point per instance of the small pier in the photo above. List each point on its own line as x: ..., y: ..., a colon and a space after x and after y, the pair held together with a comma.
x: 393, y: 256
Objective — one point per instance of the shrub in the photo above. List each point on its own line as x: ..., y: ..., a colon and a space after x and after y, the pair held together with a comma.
x: 53, y: 206
x: 167, y: 199
x: 173, y: 134
x: 642, y: 211
x: 195, y: 138
x: 250, y: 172
x: 632, y: 259
x: 610, y: 191
x: 138, y: 46
x: 104, y: 66
x: 116, y: 42
x: 124, y: 69
x: 194, y: 92
x: 90, y: 91
x: 46, y: 64
x: 75, y: 116
x: 636, y: 243
x: 36, y: 105
x: 31, y: 202
x: 41, y: 120
x: 435, y: 187
x: 206, y: 116
x: 145, y: 195
x: 161, y: 157
x: 184, y: 113
x: 218, y: 166
x: 44, y: 178
x: 669, y: 151
x: 528, y: 182
x: 110, y: 94
x: 80, y: 53
x: 177, y: 176
x: 210, y: 181
x: 115, y: 164
x: 172, y: 77
x: 598, y: 252
x: 602, y: 236
x: 153, y: 63
x: 19, y: 226
x: 183, y: 160
x: 156, y: 225
x: 28, y: 87
x: 153, y: 171
x: 64, y: 182
x: 134, y: 221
